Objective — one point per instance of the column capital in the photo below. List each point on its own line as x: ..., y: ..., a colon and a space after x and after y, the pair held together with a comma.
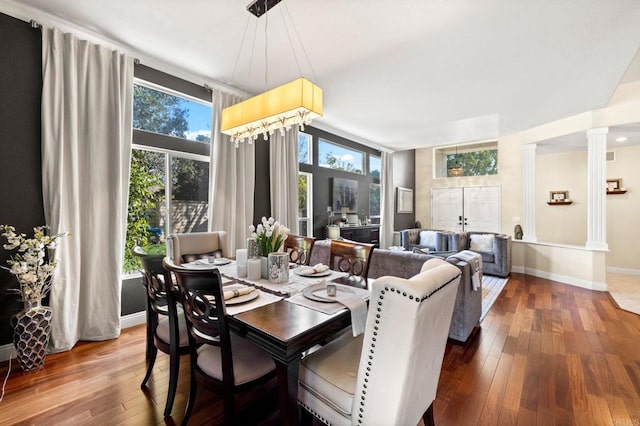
x: 530, y: 147
x: 598, y: 131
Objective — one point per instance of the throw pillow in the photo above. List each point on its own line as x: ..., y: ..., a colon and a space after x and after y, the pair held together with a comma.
x: 482, y: 242
x: 428, y: 238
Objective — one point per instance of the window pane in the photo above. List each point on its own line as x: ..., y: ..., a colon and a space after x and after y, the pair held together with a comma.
x: 338, y: 157
x: 189, y: 195
x: 375, y: 166
x: 146, y: 211
x: 305, y: 211
x: 374, y: 199
x: 303, y: 227
x: 160, y: 112
x: 478, y: 159
x: 303, y: 192
x: 304, y: 148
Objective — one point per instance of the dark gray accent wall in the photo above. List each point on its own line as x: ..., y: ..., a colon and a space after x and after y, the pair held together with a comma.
x: 20, y: 162
x: 404, y: 176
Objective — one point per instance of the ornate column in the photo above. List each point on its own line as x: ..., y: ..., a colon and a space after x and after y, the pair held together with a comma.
x: 597, y: 196
x: 529, y: 192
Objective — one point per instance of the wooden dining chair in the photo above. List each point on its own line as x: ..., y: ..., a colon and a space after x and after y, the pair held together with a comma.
x: 351, y: 257
x: 166, y: 328
x: 188, y: 247
x: 389, y: 375
x: 299, y: 248
x: 227, y: 361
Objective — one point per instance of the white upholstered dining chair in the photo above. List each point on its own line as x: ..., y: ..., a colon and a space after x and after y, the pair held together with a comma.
x: 189, y: 246
x: 389, y: 375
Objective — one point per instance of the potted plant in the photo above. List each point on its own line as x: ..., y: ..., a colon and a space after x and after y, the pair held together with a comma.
x: 32, y: 264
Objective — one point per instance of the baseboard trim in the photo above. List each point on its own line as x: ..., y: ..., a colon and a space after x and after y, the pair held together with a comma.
x: 133, y: 319
x: 590, y: 285
x: 625, y: 271
x: 8, y: 351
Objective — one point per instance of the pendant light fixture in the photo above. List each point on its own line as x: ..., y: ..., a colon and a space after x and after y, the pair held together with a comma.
x: 457, y: 170
x: 295, y: 103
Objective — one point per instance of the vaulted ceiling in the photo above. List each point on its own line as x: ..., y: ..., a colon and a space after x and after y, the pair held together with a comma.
x: 396, y: 74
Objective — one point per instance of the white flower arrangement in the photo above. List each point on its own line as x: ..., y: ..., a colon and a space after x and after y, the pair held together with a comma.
x: 29, y: 265
x: 269, y: 234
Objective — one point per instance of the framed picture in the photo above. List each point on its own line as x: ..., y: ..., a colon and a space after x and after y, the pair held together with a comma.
x: 559, y: 196
x: 404, y: 200
x: 345, y: 195
x: 614, y: 184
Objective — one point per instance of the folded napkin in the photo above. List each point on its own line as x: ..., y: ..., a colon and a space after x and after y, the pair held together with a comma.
x: 237, y: 291
x: 358, y: 308
x: 309, y: 270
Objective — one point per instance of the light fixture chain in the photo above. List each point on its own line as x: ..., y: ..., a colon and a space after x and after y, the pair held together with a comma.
x: 253, y: 48
x: 266, y: 47
x: 286, y: 28
x: 235, y: 66
x: 295, y: 29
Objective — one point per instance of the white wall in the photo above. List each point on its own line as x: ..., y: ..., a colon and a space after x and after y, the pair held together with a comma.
x: 623, y: 212
x: 564, y: 224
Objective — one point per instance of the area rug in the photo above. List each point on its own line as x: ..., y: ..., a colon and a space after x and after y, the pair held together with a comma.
x: 491, y: 288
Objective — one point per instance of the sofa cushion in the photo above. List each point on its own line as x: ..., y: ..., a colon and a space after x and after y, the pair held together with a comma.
x: 428, y: 238
x: 487, y: 257
x: 482, y: 243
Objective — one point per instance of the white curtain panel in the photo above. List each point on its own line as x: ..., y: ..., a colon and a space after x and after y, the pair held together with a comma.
x: 283, y: 170
x: 87, y: 101
x: 386, y: 201
x: 232, y: 180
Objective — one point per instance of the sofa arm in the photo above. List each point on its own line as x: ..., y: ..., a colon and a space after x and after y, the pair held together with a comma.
x: 458, y: 241
x: 409, y: 237
x: 502, y: 254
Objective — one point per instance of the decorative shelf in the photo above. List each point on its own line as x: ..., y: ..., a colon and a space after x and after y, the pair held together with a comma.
x: 617, y: 191
x: 559, y: 203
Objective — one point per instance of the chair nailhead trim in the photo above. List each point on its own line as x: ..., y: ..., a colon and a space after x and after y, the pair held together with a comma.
x: 316, y: 415
x: 375, y: 333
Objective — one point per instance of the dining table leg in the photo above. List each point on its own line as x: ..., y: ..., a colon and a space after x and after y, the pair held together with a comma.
x: 288, y: 391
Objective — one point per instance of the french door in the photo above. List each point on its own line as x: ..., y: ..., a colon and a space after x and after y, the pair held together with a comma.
x: 474, y: 208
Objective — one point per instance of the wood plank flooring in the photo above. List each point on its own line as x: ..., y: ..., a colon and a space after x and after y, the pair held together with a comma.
x: 547, y: 353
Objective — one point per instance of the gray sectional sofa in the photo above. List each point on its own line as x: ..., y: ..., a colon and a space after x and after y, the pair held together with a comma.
x: 403, y: 264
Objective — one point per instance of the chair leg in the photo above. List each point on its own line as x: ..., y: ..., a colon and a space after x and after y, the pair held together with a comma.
x: 151, y: 360
x: 174, y: 369
x: 193, y: 387
x: 427, y: 417
x: 229, y: 408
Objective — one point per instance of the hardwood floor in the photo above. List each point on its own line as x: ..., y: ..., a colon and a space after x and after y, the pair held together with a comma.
x: 547, y: 353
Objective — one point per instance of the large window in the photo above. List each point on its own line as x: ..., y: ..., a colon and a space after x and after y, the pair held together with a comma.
x: 305, y: 204
x: 169, y: 181
x: 477, y: 159
x: 338, y: 157
x: 375, y: 166
x: 374, y: 202
x: 162, y: 111
x: 305, y: 148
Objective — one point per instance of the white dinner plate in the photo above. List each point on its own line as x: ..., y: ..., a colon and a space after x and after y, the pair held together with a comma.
x: 318, y: 292
x: 244, y: 298
x: 317, y: 274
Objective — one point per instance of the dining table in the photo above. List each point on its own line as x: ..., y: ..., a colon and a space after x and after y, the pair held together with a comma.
x: 285, y: 327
